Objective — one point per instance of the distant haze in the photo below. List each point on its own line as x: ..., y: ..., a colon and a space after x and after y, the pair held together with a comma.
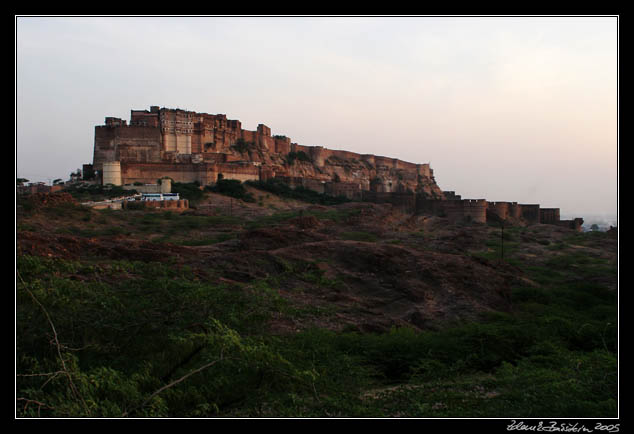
x: 504, y: 108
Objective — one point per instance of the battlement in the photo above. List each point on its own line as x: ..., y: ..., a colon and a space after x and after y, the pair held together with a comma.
x: 470, y: 210
x: 114, y: 122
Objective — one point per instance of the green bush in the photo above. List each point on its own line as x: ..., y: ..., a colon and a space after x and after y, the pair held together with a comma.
x: 300, y: 156
x: 96, y: 192
x: 232, y: 188
x: 190, y: 191
x: 282, y: 189
x: 147, y: 339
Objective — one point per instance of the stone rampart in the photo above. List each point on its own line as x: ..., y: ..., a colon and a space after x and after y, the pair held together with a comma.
x: 530, y: 213
x: 500, y: 209
x: 132, y: 143
x: 198, y: 147
x: 351, y: 190
x: 466, y: 210
x: 167, y: 205
x: 181, y: 137
x: 548, y: 215
x: 515, y: 210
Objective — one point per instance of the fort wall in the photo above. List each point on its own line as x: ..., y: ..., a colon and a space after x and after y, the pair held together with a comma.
x: 515, y: 210
x: 145, y: 118
x: 500, y: 209
x: 168, y: 205
x: 126, y: 142
x: 427, y: 206
x: 451, y: 195
x: 530, y: 213
x: 350, y: 190
x: 198, y: 147
x: 149, y: 173
x: 203, y: 173
x: 311, y: 184
x: 548, y: 215
x: 469, y: 210
x: 282, y: 145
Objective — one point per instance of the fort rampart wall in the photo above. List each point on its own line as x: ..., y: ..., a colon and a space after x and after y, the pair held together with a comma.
x: 198, y: 147
x: 126, y: 142
x: 548, y: 215
x: 530, y: 212
x: 203, y: 173
x: 499, y: 209
x: 473, y: 210
x: 173, y: 205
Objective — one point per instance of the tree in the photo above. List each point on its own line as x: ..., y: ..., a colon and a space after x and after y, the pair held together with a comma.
x: 21, y: 181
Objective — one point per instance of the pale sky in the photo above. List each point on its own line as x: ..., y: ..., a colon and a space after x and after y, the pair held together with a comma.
x: 504, y: 108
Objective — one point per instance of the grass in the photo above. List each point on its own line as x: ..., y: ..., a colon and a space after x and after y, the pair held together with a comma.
x: 127, y: 329
x: 280, y: 188
x: 232, y: 188
x: 558, y: 361
x: 360, y: 236
x: 278, y: 218
x: 208, y: 240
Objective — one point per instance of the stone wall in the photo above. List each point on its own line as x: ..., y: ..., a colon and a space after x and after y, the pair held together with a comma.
x: 530, y: 212
x: 167, y: 205
x: 351, y: 190
x: 199, y: 147
x: 181, y: 137
x: 515, y: 210
x: 467, y: 210
x: 126, y: 143
x: 548, y: 215
x: 203, y: 173
x: 500, y: 209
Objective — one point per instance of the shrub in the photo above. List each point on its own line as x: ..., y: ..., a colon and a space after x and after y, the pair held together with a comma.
x: 232, y: 188
x: 301, y: 156
x: 189, y: 191
x: 280, y: 188
x: 97, y: 192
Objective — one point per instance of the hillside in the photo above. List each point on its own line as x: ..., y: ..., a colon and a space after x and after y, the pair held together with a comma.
x: 281, y: 308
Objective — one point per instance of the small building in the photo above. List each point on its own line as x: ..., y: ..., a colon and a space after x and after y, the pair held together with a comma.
x: 171, y: 196
x: 152, y: 197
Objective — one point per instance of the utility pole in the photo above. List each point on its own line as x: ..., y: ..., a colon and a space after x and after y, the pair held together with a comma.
x: 502, y: 239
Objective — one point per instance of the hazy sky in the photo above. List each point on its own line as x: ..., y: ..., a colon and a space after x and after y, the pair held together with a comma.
x: 504, y: 108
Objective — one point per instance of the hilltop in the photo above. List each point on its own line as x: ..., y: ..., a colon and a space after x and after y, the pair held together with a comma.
x: 279, y: 307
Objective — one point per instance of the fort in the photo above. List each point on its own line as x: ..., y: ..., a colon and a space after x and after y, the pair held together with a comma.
x: 187, y: 147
